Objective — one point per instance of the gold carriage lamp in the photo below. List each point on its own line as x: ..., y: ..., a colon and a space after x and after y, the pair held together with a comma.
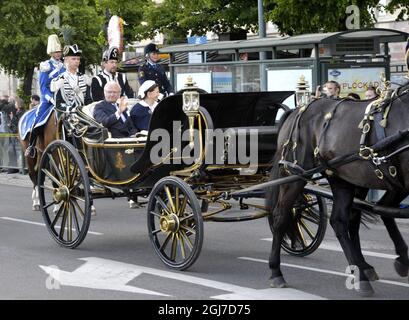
x: 302, y: 93
x: 191, y: 104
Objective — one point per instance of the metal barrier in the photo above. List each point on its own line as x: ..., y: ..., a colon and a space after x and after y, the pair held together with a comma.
x: 11, y: 154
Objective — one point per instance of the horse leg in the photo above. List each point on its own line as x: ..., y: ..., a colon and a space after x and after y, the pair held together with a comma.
x: 402, y: 262
x: 343, y: 197
x: 354, y: 225
x: 281, y: 217
x: 35, y: 199
x: 32, y: 173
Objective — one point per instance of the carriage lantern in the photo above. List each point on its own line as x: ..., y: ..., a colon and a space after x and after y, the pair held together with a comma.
x: 191, y: 104
x: 302, y: 93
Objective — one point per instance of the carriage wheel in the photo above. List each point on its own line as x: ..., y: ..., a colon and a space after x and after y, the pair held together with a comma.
x: 309, y: 223
x: 64, y: 193
x: 175, y: 223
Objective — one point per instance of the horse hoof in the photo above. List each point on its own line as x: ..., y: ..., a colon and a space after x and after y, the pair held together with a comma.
x: 133, y: 204
x: 371, y: 274
x: 93, y: 211
x: 36, y: 207
x: 278, y: 282
x: 365, y: 289
x: 401, y: 269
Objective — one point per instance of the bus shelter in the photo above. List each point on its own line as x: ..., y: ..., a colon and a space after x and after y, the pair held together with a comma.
x: 354, y: 58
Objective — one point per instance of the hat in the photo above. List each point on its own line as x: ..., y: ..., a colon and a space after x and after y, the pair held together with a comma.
x: 146, y: 86
x: 151, y: 47
x: 111, y: 54
x: 72, y: 51
x: 53, y: 44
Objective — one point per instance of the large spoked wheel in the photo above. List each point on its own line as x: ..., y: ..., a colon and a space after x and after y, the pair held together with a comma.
x: 64, y: 193
x: 309, y: 223
x: 175, y: 223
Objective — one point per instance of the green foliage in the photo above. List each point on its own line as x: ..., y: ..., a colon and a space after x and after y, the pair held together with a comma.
x: 401, y: 6
x: 176, y: 18
x: 24, y: 32
x: 311, y: 16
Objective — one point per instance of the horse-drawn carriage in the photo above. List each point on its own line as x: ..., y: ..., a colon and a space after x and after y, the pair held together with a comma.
x: 199, y: 149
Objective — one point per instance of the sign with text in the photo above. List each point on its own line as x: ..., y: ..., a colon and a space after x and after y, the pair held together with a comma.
x: 356, y: 79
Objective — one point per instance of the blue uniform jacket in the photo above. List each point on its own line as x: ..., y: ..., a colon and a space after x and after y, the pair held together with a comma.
x: 156, y: 73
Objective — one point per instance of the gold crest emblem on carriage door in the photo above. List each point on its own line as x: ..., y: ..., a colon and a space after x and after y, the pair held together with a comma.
x: 119, y: 161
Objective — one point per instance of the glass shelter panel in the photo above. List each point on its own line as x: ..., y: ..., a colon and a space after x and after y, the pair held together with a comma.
x: 224, y: 77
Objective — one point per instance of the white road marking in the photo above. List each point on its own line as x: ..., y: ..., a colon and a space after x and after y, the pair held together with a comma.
x: 98, y: 273
x: 337, y: 248
x: 42, y: 224
x: 396, y: 283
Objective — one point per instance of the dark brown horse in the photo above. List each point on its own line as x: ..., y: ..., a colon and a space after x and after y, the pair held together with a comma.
x: 46, y: 134
x: 326, y: 131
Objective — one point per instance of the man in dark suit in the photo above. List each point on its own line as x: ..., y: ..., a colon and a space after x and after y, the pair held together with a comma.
x: 112, y: 112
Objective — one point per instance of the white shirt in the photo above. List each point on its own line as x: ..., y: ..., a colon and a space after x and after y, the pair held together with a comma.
x: 119, y: 115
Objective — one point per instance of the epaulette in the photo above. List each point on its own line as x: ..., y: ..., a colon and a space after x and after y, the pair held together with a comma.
x: 45, y: 66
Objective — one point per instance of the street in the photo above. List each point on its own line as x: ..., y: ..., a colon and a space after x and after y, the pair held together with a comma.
x: 117, y: 261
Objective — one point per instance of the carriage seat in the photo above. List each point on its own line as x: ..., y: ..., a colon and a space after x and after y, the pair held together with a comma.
x: 266, y: 138
x: 140, y: 137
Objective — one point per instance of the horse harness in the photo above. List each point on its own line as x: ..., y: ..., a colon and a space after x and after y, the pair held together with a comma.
x: 376, y: 117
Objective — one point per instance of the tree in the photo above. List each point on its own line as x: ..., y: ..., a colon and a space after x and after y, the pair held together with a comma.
x: 22, y: 38
x: 311, y: 16
x: 25, y: 27
x: 178, y: 18
x: 401, y: 5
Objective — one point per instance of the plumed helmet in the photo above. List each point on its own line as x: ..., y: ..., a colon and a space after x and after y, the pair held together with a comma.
x: 111, y: 54
x: 145, y: 87
x: 53, y: 44
x: 72, y: 51
x: 151, y: 47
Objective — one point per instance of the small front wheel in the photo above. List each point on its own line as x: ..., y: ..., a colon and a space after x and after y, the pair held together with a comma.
x: 175, y: 223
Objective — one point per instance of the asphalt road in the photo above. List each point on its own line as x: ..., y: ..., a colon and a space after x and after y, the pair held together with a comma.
x: 117, y: 261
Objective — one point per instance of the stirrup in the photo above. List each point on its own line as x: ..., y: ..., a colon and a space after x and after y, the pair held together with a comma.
x: 30, y: 152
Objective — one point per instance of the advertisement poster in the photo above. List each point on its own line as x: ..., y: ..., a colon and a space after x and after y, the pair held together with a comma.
x: 222, y: 82
x: 356, y: 79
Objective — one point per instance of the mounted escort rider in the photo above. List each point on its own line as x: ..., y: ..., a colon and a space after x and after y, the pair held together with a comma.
x: 152, y: 70
x: 70, y: 87
x: 110, y: 60
x: 49, y: 70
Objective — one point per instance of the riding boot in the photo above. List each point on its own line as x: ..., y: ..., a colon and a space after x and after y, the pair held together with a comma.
x: 31, y: 151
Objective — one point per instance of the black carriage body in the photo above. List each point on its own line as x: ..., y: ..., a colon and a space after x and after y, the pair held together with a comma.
x: 127, y: 163
x: 90, y: 165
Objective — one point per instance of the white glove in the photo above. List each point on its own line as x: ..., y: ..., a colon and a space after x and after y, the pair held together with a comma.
x: 55, y: 85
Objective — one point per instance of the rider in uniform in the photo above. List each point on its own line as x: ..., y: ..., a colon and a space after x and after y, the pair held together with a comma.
x: 152, y: 70
x: 110, y: 60
x: 70, y: 87
x: 49, y: 70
